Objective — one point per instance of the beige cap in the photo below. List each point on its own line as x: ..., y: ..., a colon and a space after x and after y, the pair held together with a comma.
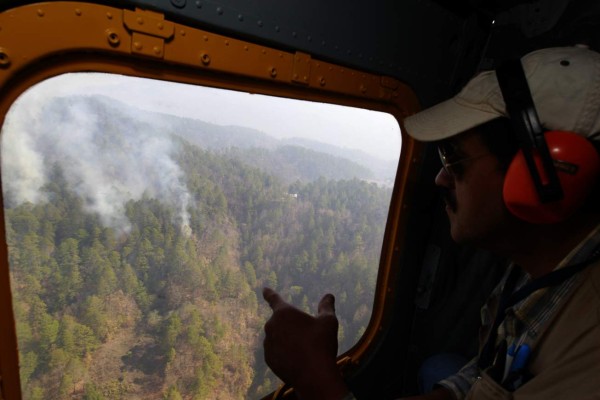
x: 564, y: 84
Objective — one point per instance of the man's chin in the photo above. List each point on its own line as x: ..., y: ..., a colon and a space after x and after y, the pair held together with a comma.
x: 457, y: 232
x: 457, y: 237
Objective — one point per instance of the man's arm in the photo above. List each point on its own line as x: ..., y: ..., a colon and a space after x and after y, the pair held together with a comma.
x: 301, y: 350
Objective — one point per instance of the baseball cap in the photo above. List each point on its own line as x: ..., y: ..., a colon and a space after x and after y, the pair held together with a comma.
x: 564, y: 84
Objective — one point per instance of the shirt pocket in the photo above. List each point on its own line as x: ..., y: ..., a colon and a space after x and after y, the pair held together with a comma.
x: 485, y: 388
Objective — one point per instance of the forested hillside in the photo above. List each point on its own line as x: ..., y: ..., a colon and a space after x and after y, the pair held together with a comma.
x: 167, y: 306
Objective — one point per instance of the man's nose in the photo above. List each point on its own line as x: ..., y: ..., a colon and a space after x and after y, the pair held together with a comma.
x: 444, y: 179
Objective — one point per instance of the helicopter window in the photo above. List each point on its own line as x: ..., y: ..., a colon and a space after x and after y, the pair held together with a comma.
x: 144, y: 217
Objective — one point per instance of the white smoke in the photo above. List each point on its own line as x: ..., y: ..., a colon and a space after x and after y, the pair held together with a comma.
x: 106, y: 160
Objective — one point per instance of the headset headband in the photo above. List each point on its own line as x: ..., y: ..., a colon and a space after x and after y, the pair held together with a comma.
x: 529, y: 130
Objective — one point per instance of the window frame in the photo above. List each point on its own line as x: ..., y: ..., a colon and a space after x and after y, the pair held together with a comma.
x: 39, y: 41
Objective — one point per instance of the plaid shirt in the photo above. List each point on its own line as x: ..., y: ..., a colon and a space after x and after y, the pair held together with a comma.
x: 525, y: 321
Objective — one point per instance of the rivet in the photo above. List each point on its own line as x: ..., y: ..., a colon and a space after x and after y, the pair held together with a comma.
x: 182, y: 32
x: 363, y: 89
x: 198, y: 4
x: 294, y: 34
x: 140, y: 20
x: 137, y: 45
x: 322, y: 81
x: 309, y: 38
x: 273, y: 72
x: 264, y: 51
x: 4, y: 58
x: 246, y: 48
x: 205, y: 38
x: 77, y: 12
x: 280, y: 55
x: 109, y: 15
x: 40, y: 12
x: 178, y: 3
x: 305, y: 78
x: 240, y: 17
x: 156, y: 50
x: 227, y: 43
x: 205, y: 58
x: 220, y: 10
x: 259, y: 23
x: 160, y: 26
x: 295, y: 76
x: 277, y: 29
x: 113, y: 38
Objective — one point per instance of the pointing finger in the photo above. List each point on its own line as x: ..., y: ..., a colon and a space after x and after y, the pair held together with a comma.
x: 272, y: 297
x: 326, y: 305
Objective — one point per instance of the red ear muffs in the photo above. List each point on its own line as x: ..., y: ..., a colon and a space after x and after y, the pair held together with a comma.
x: 578, y: 166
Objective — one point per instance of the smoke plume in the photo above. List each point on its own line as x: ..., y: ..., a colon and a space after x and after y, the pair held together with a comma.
x: 107, y: 155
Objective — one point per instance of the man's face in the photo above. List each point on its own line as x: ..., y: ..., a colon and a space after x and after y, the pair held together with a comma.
x: 472, y: 185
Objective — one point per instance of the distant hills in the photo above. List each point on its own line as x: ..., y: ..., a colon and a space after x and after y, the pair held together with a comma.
x: 289, y: 159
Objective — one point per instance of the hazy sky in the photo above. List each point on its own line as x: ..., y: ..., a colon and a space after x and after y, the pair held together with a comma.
x: 373, y: 132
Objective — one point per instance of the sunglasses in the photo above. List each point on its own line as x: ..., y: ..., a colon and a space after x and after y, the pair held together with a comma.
x: 452, y: 162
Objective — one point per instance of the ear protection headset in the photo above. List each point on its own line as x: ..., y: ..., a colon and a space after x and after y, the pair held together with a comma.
x: 552, y: 174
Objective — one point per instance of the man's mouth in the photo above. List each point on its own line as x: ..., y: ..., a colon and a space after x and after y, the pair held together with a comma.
x: 449, y: 199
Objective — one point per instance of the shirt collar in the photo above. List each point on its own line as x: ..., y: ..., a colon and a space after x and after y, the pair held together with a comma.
x: 534, y: 311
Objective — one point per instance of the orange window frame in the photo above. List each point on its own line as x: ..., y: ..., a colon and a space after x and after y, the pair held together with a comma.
x: 38, y: 41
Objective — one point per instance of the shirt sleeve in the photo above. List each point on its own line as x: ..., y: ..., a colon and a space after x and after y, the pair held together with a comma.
x: 460, y: 383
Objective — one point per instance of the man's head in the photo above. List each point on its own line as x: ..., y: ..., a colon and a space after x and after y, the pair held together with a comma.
x: 477, y: 143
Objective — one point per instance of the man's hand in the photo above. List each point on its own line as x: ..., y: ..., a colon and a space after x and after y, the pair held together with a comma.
x: 302, y: 349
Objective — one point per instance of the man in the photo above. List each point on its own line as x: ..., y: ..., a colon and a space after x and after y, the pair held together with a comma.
x: 544, y: 342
